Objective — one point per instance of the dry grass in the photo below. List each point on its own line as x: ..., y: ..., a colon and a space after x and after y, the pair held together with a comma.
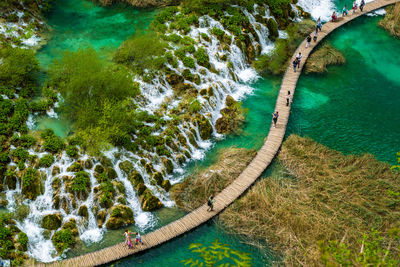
x: 324, y: 56
x: 332, y: 197
x: 195, y: 189
x: 391, y: 22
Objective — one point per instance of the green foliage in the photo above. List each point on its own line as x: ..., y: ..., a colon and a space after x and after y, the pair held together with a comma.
x: 21, y: 154
x: 275, y: 61
x: 46, y: 161
x: 143, y: 51
x: 218, y: 32
x: 40, y: 105
x: 72, y: 151
x: 29, y: 177
x: 24, y: 140
x: 96, y: 97
x: 18, y: 67
x: 188, y: 62
x: 23, y: 239
x: 63, y: 239
x: 202, y: 57
x: 194, y: 106
x: 81, y: 182
x: 217, y: 253
x: 52, y: 143
x: 373, y: 251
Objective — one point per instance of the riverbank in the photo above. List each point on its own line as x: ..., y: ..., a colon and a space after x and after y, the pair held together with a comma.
x: 391, y: 22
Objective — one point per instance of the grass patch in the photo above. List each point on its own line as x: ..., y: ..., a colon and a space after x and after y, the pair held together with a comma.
x: 332, y: 198
x: 322, y: 57
x: 391, y: 22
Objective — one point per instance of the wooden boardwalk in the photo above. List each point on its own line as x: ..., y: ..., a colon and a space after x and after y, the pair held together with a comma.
x: 262, y: 160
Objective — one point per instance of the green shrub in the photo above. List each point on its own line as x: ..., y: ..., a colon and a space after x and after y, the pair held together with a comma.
x: 72, y: 151
x: 52, y: 143
x: 24, y: 140
x: 46, y: 161
x: 81, y: 182
x: 39, y: 105
x: 21, y: 154
x: 189, y: 62
x: 63, y: 239
x: 173, y: 38
x: 218, y: 32
x: 202, y: 57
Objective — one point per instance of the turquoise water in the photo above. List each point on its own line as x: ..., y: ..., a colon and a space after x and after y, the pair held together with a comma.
x: 79, y: 23
x: 354, y: 108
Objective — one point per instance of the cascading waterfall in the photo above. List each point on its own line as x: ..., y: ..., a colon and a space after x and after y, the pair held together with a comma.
x: 232, y: 77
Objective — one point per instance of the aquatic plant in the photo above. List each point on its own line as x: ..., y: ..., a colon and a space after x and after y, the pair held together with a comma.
x: 217, y: 254
x: 322, y: 57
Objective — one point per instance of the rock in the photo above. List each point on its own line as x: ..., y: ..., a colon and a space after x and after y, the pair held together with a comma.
x: 63, y: 239
x: 64, y: 203
x: 205, y: 127
x: 75, y: 167
x: 55, y: 171
x: 203, y: 92
x: 83, y: 212
x: 106, y: 161
x: 111, y: 173
x: 149, y: 168
x: 121, y: 200
x: 272, y: 29
x: 158, y: 178
x: 121, y: 215
x: 88, y: 164
x: 101, y: 217
x: 169, y: 167
x: 32, y: 184
x: 56, y: 202
x: 180, y: 158
x: 166, y: 184
x: 149, y: 201
x: 98, y: 168
x: 174, y: 79
x: 126, y: 166
x: 135, y: 177
x: 140, y: 188
x: 3, y: 201
x: 56, y: 184
x: 120, y: 186
x: 71, y: 225
x: 210, y: 91
x: 52, y: 221
x: 10, y: 179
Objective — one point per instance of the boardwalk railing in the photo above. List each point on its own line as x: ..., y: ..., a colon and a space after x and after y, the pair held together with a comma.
x: 262, y: 160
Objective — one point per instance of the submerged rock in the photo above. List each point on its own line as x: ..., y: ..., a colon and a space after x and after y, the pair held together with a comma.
x: 52, y: 221
x: 121, y: 215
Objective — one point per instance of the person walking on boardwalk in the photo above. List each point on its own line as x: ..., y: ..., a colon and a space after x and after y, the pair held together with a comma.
x: 138, y: 239
x: 308, y: 41
x: 127, y: 235
x: 299, y: 57
x: 295, y: 63
x: 354, y: 7
x: 319, y: 25
x: 362, y: 4
x: 315, y: 36
x: 288, y: 98
x: 345, y: 11
x: 210, y: 203
x: 275, y: 116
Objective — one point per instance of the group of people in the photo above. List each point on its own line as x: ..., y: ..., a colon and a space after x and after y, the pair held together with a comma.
x: 128, y: 240
x: 345, y: 10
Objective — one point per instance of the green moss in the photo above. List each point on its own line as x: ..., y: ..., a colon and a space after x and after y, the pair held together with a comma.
x: 202, y: 57
x: 46, y: 161
x: 52, y: 143
x: 149, y: 201
x: 121, y: 215
x: 32, y: 184
x: 75, y: 167
x: 81, y: 182
x: 72, y: 151
x: 272, y: 29
x: 25, y: 141
x: 63, y: 239
x: 52, y: 221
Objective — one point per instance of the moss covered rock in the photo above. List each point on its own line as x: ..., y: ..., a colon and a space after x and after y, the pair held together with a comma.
x: 121, y: 215
x: 232, y: 118
x: 140, y: 188
x: 169, y: 167
x: 157, y: 178
x: 63, y: 239
x: 272, y: 29
x: 83, y: 211
x: 166, y: 184
x: 52, y: 221
x: 32, y: 184
x: 135, y: 177
x: 149, y: 201
x: 205, y: 127
x: 71, y: 225
x: 126, y: 166
x: 101, y: 217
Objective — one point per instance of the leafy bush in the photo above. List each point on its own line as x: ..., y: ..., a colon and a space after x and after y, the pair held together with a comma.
x: 202, y: 57
x: 81, y: 182
x: 63, y: 239
x: 143, y: 51
x: 72, y: 151
x: 189, y: 62
x: 46, y: 161
x: 52, y: 143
